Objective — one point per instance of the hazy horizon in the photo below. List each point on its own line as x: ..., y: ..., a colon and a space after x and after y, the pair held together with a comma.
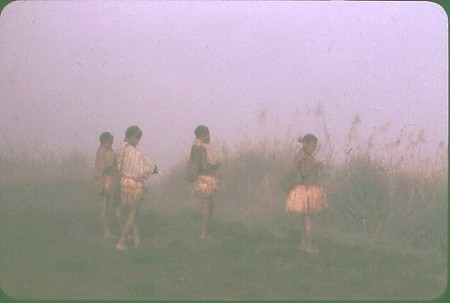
x: 248, y: 70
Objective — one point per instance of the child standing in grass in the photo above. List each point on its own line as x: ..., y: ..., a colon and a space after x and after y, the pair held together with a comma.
x: 107, y: 181
x: 135, y: 168
x: 202, y: 169
x: 307, y: 197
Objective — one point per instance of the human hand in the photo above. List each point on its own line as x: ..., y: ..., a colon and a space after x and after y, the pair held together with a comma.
x: 156, y: 170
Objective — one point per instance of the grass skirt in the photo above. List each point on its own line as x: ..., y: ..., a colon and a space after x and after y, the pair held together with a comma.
x: 306, y: 199
x: 132, y: 191
x: 205, y: 186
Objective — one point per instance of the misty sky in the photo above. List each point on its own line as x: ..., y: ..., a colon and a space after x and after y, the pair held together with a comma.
x: 70, y: 70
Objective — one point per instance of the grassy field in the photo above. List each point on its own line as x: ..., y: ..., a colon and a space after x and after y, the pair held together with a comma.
x: 52, y: 249
x: 383, y: 237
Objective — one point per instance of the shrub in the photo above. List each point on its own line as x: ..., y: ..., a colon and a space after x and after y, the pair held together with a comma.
x: 368, y: 198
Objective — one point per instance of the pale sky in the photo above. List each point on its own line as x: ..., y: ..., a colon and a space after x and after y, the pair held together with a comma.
x: 70, y: 70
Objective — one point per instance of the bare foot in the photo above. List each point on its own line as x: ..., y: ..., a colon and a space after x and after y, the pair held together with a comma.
x: 311, y: 249
x: 303, y: 246
x: 121, y: 247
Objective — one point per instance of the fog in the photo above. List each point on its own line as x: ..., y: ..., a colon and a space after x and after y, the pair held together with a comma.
x: 364, y: 76
x: 70, y: 70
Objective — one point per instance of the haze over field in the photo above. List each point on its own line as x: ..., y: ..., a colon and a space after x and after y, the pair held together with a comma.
x: 369, y: 79
x: 260, y: 70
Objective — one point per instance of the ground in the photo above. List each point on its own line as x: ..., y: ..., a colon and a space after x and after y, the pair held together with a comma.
x: 52, y: 249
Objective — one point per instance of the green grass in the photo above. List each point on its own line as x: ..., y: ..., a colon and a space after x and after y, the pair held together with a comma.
x: 383, y: 237
x: 52, y: 249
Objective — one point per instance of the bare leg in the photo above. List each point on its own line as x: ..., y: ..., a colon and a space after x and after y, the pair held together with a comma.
x: 128, y: 225
x: 136, y: 234
x: 211, y: 207
x: 118, y: 208
x: 104, y: 217
x: 207, y: 204
x: 306, y: 244
x: 122, y: 214
x: 303, y: 243
x: 118, y: 216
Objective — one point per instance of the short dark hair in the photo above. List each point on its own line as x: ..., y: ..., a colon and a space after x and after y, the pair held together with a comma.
x: 133, y: 131
x: 105, y: 136
x: 307, y: 138
x: 201, y: 130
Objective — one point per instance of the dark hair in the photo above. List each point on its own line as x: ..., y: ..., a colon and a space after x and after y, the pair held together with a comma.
x: 307, y: 138
x: 201, y: 130
x: 133, y: 131
x: 105, y: 136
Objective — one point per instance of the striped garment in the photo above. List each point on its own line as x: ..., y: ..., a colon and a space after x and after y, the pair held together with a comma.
x: 132, y: 163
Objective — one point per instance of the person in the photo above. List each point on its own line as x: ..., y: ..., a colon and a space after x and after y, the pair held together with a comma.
x: 135, y: 168
x: 308, y: 196
x: 107, y: 182
x: 201, y: 172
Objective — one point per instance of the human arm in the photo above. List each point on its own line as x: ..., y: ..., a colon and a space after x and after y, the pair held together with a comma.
x: 148, y: 167
x: 105, y: 163
x: 309, y: 170
x: 110, y: 164
x: 206, y: 167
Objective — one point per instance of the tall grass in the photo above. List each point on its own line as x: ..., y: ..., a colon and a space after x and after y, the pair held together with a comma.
x: 382, y: 193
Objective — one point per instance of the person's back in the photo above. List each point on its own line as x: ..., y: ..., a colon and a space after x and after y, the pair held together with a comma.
x: 107, y: 179
x: 134, y: 168
x: 105, y: 163
x: 201, y: 171
x: 308, y: 197
x: 132, y: 163
x: 200, y: 160
x: 308, y: 168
